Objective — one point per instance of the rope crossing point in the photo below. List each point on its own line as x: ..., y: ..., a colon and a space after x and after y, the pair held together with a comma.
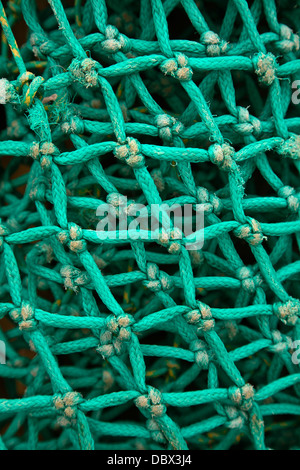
x: 133, y: 343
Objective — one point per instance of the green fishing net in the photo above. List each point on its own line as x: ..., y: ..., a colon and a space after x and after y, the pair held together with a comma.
x: 149, y: 342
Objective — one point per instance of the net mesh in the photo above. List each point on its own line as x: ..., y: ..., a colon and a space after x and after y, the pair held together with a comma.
x: 124, y: 343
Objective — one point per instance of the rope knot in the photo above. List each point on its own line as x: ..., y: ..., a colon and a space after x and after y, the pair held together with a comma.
x: 151, y: 404
x: 41, y: 48
x: 222, y: 156
x: 44, y: 153
x: 74, y: 125
x: 11, y: 93
x: 210, y: 203
x: 201, y: 317
x: 171, y: 239
x: 177, y: 67
x: 250, y: 232
x: 242, y: 397
x: 290, y: 147
x: 288, y: 312
x: 120, y: 204
x: 249, y: 282
x: 130, y: 152
x: 168, y: 126
x: 38, y: 189
x: 7, y: 92
x: 247, y: 124
x: 73, y: 238
x: 289, y: 41
x: 84, y: 71
x: 24, y: 316
x: 158, y: 280
x: 214, y: 45
x: 236, y: 418
x: 67, y: 404
x: 156, y: 433
x: 281, y: 342
x: 202, y: 357
x: 114, y: 41
x: 292, y: 198
x: 115, y: 335
x: 265, y: 67
x: 73, y: 277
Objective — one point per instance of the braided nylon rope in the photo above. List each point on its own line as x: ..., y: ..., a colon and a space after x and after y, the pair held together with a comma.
x: 144, y: 343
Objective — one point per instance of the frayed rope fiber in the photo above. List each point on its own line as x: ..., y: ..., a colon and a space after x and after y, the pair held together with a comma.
x: 145, y: 343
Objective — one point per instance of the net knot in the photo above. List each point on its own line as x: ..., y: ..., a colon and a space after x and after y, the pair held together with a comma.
x: 201, y: 317
x: 289, y: 41
x: 152, y: 403
x: 158, y: 280
x: 281, y: 342
x: 222, y: 156
x: 38, y: 189
x: 248, y: 280
x: 171, y: 239
x: 41, y: 48
x: 290, y: 147
x: 288, y: 312
x: 7, y: 92
x: 199, y: 348
x: 210, y: 203
x: 247, y: 124
x: 120, y: 204
x: 67, y: 404
x: 114, y: 41
x: 177, y: 67
x: 73, y: 277
x: 168, y: 126
x: 250, y: 232
x: 84, y: 71
x: 130, y: 153
x: 43, y: 151
x: 156, y: 433
x: 11, y: 92
x: 115, y: 335
x: 73, y: 238
x: 265, y: 67
x: 24, y: 316
x: 74, y: 125
x: 292, y: 198
x: 237, y: 418
x: 214, y: 45
x: 242, y: 397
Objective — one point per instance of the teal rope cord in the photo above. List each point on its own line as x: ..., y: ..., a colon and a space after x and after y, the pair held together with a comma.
x: 129, y: 343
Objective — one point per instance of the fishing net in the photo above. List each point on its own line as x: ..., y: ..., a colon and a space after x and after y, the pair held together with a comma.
x: 123, y: 342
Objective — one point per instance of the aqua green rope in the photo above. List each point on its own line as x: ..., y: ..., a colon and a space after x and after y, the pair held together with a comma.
x: 144, y: 344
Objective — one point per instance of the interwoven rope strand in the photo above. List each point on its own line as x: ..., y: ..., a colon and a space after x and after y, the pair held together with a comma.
x: 146, y: 344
